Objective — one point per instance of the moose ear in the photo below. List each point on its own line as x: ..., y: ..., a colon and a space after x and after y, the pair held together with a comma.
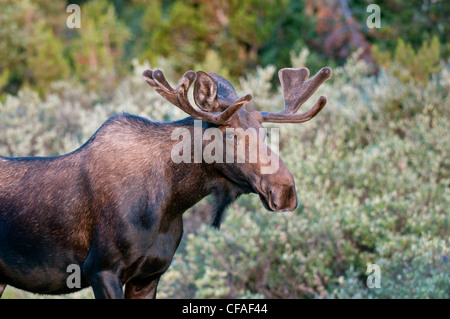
x: 205, y: 93
x: 226, y: 93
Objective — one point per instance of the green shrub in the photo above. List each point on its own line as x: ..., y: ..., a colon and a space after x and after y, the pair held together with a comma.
x: 372, y: 182
x: 408, y: 64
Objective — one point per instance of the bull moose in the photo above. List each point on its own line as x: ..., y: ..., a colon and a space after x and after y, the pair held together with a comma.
x: 114, y: 206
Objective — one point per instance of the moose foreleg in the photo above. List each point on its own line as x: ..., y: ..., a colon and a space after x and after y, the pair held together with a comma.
x: 106, y: 285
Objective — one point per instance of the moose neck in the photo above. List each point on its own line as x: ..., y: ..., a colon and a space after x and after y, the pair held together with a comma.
x: 143, y: 152
x: 192, y: 181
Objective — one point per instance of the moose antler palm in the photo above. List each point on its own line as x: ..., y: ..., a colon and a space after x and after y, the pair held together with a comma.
x: 296, y: 90
x: 219, y: 108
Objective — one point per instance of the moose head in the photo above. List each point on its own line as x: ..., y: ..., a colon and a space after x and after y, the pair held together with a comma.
x: 249, y: 169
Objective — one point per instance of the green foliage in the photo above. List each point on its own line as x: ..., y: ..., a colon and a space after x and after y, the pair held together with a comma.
x: 98, y: 47
x: 232, y: 31
x: 44, y: 70
x: 14, y: 32
x: 4, y: 78
x: 421, y: 271
x: 413, y: 21
x: 230, y: 37
x: 408, y: 64
x: 30, y: 51
x: 284, y: 36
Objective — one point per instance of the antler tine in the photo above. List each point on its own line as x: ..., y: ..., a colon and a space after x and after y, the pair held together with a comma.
x: 179, y: 96
x: 213, y: 117
x: 296, y: 91
x: 158, y: 82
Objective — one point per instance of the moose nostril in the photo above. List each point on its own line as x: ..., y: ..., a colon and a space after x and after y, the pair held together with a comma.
x: 272, y: 201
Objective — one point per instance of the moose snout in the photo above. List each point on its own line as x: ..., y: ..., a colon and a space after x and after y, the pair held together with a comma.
x: 278, y: 193
x: 283, y: 199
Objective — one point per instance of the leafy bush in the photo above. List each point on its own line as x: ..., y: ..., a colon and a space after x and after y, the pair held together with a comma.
x: 31, y: 50
x: 372, y: 172
x: 98, y: 48
x: 408, y: 64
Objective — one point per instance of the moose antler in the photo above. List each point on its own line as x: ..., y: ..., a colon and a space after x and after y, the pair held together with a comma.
x: 296, y: 90
x: 205, y: 95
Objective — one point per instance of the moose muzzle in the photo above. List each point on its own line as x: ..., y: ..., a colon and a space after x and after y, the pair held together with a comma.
x: 277, y: 191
